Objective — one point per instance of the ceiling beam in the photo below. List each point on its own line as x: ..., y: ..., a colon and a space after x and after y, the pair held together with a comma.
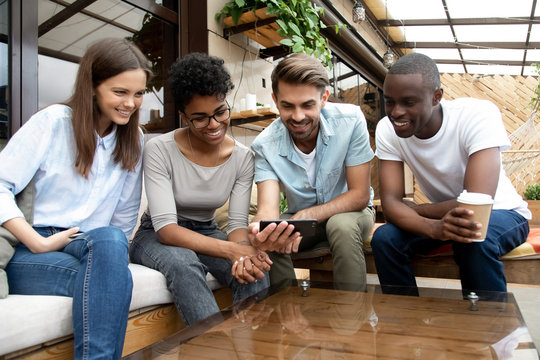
x: 62, y: 16
x: 484, y: 62
x: 469, y: 45
x: 98, y: 17
x: 467, y: 21
x: 527, y: 41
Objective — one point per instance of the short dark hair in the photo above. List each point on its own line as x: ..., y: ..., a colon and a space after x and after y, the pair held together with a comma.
x: 416, y: 63
x: 198, y: 74
x: 300, y: 69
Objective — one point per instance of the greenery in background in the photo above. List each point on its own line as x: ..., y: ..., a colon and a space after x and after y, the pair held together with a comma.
x: 149, y: 39
x: 282, y: 203
x: 535, y: 104
x: 532, y: 192
x: 299, y: 22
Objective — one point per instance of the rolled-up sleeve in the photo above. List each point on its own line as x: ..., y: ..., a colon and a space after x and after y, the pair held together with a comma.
x: 263, y: 170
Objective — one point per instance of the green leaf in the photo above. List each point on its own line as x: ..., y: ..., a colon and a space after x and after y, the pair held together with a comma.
x: 295, y: 28
x: 282, y: 25
x: 298, y: 40
x: 235, y: 14
x: 298, y: 47
x: 287, y: 42
x: 240, y: 3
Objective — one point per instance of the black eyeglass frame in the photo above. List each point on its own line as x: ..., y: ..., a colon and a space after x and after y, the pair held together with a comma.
x: 213, y: 116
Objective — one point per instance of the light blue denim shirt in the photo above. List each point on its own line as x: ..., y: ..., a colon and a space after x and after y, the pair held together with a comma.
x: 343, y: 141
x: 44, y: 148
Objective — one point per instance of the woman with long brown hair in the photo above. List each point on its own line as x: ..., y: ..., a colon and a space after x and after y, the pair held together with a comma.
x: 85, y: 159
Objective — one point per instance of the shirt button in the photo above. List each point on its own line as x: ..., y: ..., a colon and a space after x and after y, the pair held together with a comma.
x: 306, y: 186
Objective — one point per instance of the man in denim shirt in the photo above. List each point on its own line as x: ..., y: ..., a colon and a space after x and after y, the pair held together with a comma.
x: 318, y: 154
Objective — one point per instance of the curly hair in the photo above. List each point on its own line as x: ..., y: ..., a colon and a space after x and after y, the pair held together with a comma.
x: 198, y: 74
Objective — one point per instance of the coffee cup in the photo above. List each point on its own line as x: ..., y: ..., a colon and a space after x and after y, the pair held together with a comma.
x: 481, y: 204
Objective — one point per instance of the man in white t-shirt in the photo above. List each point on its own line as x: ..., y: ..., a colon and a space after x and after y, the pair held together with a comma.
x: 450, y: 146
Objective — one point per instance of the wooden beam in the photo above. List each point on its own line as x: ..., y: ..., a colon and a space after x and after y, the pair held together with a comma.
x: 466, y: 21
x: 485, y: 62
x: 98, y: 17
x: 228, y: 31
x: 158, y: 11
x: 469, y: 45
x: 62, y: 16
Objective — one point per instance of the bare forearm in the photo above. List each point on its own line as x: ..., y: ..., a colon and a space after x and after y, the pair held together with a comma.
x: 407, y: 218
x: 239, y: 236
x: 34, y: 241
x: 348, y: 201
x: 175, y: 235
x: 435, y: 211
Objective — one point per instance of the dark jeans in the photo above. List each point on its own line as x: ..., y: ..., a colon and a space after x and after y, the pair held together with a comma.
x: 185, y: 270
x: 479, y: 264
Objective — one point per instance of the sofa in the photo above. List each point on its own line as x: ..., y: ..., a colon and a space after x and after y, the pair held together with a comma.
x: 40, y: 327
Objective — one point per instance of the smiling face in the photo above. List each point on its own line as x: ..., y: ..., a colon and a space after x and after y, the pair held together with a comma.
x: 300, y: 107
x: 118, y: 97
x: 203, y: 106
x: 412, y: 107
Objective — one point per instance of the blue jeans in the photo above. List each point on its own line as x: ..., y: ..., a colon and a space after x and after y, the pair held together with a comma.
x: 185, y: 270
x: 479, y: 265
x: 93, y: 269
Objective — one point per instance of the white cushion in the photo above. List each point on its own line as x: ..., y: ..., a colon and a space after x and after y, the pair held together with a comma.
x: 31, y: 320
x: 28, y: 320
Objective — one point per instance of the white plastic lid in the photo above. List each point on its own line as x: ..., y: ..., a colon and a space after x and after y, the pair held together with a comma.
x: 474, y: 198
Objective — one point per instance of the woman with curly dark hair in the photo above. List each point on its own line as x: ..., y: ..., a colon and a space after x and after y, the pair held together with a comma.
x: 188, y: 174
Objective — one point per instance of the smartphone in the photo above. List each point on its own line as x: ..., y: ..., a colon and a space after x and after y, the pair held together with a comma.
x: 73, y: 236
x: 306, y: 227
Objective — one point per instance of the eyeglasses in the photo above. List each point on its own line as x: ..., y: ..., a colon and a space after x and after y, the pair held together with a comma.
x: 203, y: 121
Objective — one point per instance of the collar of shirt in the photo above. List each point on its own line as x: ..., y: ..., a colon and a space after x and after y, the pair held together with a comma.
x: 286, y: 142
x: 108, y: 140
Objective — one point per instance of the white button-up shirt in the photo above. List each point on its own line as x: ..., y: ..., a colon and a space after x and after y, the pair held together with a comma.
x: 44, y: 149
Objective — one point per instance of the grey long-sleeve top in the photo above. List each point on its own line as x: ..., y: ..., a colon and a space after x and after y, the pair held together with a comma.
x: 178, y: 189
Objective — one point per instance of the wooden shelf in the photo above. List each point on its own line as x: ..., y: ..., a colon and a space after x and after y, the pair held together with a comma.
x: 262, y: 117
x: 258, y: 26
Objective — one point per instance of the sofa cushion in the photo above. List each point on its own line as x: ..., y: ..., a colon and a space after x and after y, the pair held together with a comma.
x: 29, y: 320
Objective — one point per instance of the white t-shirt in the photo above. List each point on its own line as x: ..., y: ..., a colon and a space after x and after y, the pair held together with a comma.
x: 439, y: 163
x: 309, y: 162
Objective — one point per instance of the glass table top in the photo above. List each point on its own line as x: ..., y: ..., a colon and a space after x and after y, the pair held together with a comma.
x: 312, y: 320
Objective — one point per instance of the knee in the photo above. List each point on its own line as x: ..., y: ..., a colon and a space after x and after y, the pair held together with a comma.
x: 341, y: 226
x: 382, y: 237
x: 110, y: 237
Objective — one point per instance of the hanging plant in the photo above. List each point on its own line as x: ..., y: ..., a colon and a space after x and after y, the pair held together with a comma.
x: 299, y: 23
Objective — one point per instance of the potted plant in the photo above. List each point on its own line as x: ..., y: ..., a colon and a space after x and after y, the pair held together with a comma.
x: 532, y: 196
x: 299, y: 23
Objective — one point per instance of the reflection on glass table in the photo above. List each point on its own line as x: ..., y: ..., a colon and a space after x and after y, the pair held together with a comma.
x: 313, y: 321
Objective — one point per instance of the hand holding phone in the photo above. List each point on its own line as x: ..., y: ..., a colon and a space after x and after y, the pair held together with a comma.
x: 306, y: 227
